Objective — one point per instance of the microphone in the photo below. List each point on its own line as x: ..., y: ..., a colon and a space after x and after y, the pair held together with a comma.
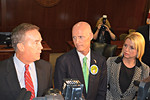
x: 27, y: 95
x: 24, y: 95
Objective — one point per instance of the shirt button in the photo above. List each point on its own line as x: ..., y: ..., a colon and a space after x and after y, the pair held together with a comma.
x: 121, y: 96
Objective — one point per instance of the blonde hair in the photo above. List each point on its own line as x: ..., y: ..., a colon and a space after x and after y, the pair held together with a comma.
x: 101, y: 21
x: 139, y: 43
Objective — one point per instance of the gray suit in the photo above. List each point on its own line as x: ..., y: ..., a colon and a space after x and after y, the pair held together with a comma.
x: 113, y: 71
x: 9, y: 84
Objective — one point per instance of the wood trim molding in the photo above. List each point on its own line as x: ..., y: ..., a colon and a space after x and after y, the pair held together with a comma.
x: 47, y: 3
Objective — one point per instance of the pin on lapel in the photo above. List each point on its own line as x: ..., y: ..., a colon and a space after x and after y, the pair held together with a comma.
x: 94, y: 69
x: 94, y: 61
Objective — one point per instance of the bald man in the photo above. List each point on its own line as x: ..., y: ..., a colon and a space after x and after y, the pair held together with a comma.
x: 70, y: 65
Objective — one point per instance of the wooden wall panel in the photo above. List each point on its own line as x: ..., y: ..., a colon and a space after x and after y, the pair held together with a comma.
x: 0, y: 16
x: 56, y: 22
x: 122, y: 15
x: 3, y: 14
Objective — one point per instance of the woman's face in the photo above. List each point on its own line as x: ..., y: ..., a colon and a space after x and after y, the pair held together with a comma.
x: 129, y: 50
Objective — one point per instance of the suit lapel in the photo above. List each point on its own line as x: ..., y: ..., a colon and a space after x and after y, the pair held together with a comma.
x: 116, y: 72
x: 93, y: 79
x: 77, y: 66
x: 78, y: 69
x: 137, y: 76
x: 39, y: 76
x: 12, y: 78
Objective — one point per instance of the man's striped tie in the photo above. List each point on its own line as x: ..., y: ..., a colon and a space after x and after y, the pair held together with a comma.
x: 28, y: 82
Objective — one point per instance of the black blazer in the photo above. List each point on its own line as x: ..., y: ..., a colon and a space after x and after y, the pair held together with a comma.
x: 144, y: 30
x: 9, y: 84
x: 68, y: 66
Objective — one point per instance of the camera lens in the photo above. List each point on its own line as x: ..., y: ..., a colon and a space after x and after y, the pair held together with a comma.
x: 103, y: 27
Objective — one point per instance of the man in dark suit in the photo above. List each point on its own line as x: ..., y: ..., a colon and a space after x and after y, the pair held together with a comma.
x: 145, y: 31
x: 71, y: 65
x: 26, y: 40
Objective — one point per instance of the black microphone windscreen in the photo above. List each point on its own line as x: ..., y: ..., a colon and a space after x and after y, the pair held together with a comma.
x: 21, y: 95
x: 27, y: 95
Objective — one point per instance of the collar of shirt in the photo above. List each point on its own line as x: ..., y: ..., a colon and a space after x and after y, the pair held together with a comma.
x: 20, y: 69
x: 81, y: 56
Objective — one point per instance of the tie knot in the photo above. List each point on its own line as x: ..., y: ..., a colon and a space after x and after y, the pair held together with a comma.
x: 84, y: 59
x: 27, y: 67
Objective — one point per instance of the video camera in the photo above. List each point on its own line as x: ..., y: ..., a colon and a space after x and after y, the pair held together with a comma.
x: 103, y: 28
x: 72, y: 90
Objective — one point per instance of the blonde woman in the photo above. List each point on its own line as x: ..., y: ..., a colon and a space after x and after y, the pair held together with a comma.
x: 103, y: 32
x: 124, y: 69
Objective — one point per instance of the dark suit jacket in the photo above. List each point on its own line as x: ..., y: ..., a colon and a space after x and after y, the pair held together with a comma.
x: 144, y: 30
x: 9, y: 84
x: 69, y: 66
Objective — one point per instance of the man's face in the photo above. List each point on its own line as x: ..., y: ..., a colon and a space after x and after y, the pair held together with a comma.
x: 81, y: 38
x: 32, y: 46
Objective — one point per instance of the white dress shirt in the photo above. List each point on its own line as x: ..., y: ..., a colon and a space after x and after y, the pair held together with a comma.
x: 81, y: 56
x: 20, y: 69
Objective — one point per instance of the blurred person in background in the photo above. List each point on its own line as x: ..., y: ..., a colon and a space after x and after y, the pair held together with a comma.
x: 103, y: 32
x: 145, y: 31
